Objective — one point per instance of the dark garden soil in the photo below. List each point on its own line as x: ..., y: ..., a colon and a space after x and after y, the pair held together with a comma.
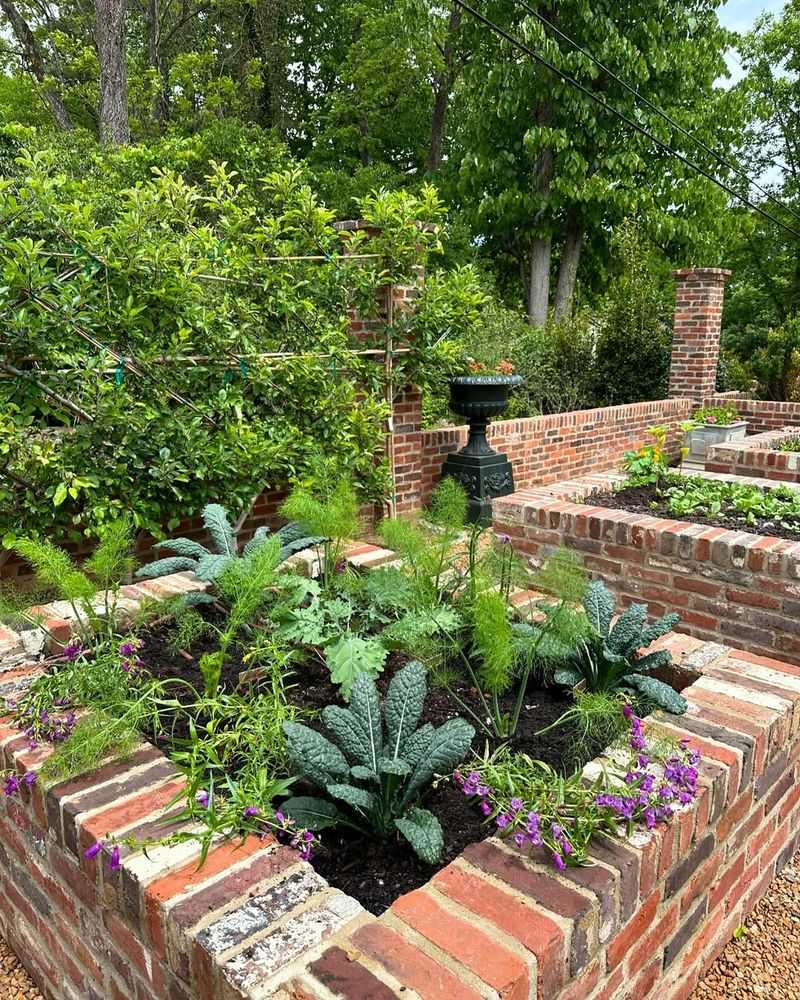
x: 648, y: 500
x: 377, y: 873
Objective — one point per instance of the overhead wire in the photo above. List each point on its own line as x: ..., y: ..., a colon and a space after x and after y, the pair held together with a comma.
x: 632, y: 123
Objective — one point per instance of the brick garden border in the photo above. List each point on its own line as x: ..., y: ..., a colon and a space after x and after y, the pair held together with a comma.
x: 728, y: 586
x: 646, y: 919
x: 757, y: 456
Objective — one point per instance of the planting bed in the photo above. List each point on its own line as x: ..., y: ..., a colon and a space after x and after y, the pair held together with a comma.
x: 761, y: 455
x: 654, y: 502
x: 373, y: 872
x: 728, y: 585
x: 644, y: 920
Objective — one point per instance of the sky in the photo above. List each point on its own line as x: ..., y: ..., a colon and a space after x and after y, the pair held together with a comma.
x: 739, y: 15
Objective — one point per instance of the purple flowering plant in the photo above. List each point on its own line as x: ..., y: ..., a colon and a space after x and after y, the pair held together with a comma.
x: 646, y: 779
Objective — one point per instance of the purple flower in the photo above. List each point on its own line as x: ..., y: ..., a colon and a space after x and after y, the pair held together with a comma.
x: 30, y: 778
x: 202, y: 798
x: 566, y: 847
x: 128, y: 648
x: 503, y: 821
x: 11, y: 785
x: 558, y: 863
x: 251, y: 811
x: 516, y: 805
x: 114, y: 863
x: 279, y: 816
x: 504, y: 539
x: 94, y: 850
x: 627, y: 711
x: 486, y: 808
x: 72, y: 650
x: 520, y: 840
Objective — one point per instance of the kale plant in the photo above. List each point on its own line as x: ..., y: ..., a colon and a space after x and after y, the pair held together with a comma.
x: 608, y: 658
x: 373, y: 770
x: 209, y: 566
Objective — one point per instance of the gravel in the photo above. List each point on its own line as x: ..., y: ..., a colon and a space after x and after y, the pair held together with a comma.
x: 763, y: 961
x: 15, y: 983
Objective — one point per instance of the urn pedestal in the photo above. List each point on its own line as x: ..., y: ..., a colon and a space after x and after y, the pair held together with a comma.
x: 483, y: 472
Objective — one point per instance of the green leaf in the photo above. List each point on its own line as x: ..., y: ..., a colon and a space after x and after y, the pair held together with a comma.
x: 183, y: 547
x: 659, y: 628
x: 356, y: 798
x: 215, y: 518
x: 310, y: 812
x: 662, y: 694
x: 366, y: 707
x: 567, y: 676
x: 424, y: 833
x: 361, y: 773
x: 350, y: 657
x: 599, y: 604
x: 405, y: 701
x: 60, y: 494
x: 348, y: 732
x: 211, y: 567
x: 447, y: 748
x: 399, y: 768
x: 626, y: 636
x: 417, y: 744
x: 312, y: 756
x: 654, y: 660
x: 163, y: 567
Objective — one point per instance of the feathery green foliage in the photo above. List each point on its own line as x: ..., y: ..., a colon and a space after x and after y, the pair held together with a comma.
x: 329, y: 511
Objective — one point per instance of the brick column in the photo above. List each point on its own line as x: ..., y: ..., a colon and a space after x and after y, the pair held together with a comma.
x: 699, y: 295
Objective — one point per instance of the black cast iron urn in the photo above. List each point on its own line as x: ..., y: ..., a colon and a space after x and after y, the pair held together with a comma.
x: 483, y: 472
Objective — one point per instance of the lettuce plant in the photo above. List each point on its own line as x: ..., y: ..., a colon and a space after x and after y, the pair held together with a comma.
x: 609, y: 657
x: 376, y: 765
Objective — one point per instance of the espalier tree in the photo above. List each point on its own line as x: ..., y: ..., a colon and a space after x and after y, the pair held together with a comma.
x: 376, y: 765
x: 546, y: 173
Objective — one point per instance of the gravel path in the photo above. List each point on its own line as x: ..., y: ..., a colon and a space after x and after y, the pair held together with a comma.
x: 15, y: 983
x: 763, y: 964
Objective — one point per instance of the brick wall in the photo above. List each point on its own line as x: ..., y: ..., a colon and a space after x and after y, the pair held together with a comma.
x: 645, y: 920
x: 542, y: 449
x: 727, y: 586
x: 697, y: 325
x: 761, y: 414
x: 757, y: 456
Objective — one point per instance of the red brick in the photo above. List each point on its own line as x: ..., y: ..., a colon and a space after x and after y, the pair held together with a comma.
x: 410, y: 965
x: 621, y: 943
x: 534, y: 929
x: 498, y: 967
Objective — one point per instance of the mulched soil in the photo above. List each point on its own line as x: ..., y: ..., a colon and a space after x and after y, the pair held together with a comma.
x: 647, y: 500
x: 377, y: 873
x: 763, y: 961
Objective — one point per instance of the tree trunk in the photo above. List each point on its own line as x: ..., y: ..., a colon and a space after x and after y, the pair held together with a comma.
x: 161, y: 105
x: 111, y: 38
x: 539, y: 281
x: 34, y: 61
x: 568, y: 269
x: 271, y: 29
x: 541, y: 246
x: 442, y: 87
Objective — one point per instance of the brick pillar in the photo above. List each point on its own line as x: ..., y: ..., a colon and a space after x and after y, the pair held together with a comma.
x: 699, y: 295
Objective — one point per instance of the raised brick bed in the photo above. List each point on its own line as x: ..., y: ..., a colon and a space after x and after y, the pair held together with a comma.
x: 645, y: 920
x: 727, y: 586
x: 757, y: 456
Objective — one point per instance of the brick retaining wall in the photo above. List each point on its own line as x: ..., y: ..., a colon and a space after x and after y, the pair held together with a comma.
x: 727, y: 586
x: 757, y: 456
x: 646, y: 919
x: 542, y: 449
x: 761, y: 414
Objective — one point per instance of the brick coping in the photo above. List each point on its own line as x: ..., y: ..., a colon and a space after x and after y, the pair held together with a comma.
x: 758, y: 455
x: 650, y: 914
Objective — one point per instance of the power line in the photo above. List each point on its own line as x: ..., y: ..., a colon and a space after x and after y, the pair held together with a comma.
x: 622, y: 116
x: 653, y: 107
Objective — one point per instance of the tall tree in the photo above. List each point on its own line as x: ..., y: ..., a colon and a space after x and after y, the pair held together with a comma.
x: 546, y: 172
x: 111, y: 36
x: 34, y: 62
